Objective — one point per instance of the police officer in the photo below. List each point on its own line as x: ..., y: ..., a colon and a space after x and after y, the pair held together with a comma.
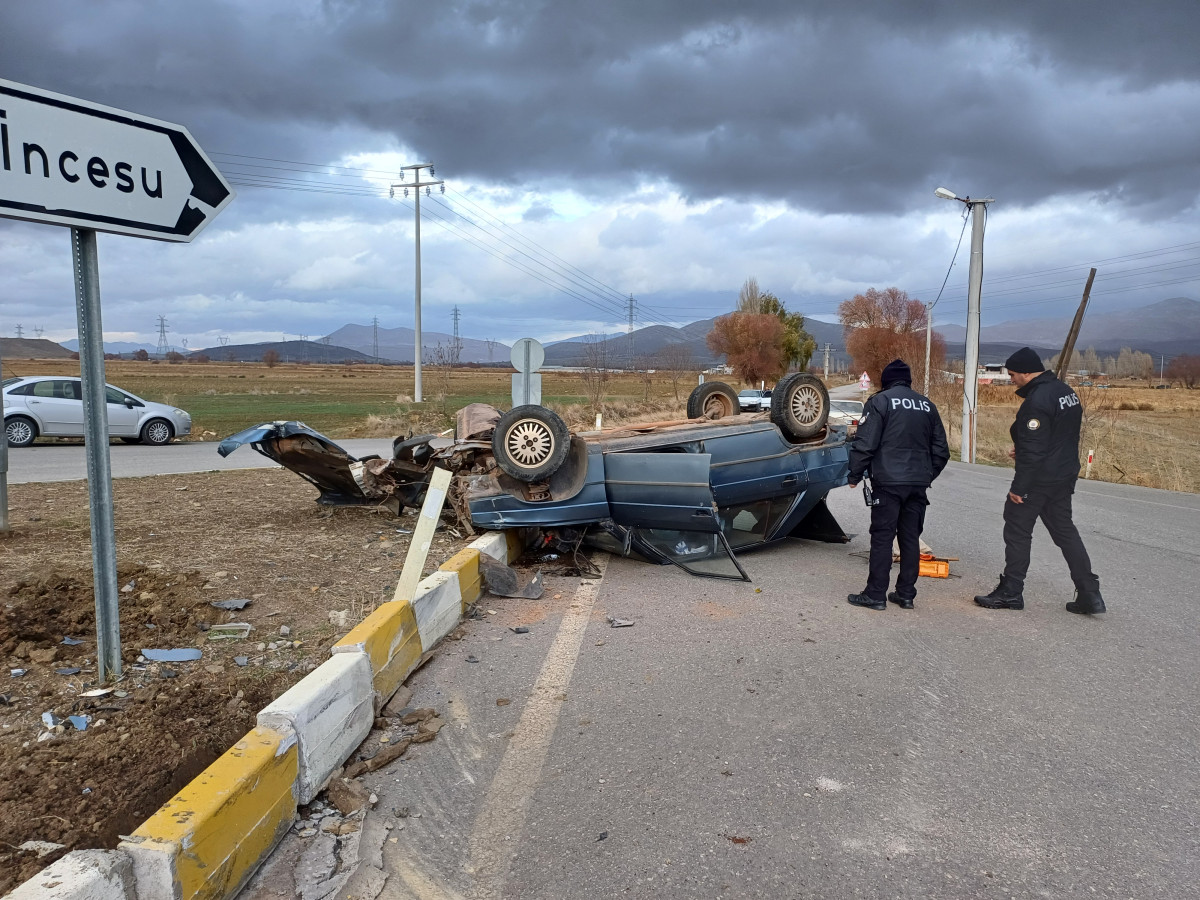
x: 902, y: 443
x: 1045, y: 447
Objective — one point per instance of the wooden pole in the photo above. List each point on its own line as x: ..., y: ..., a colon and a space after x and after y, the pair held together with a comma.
x: 1064, y: 358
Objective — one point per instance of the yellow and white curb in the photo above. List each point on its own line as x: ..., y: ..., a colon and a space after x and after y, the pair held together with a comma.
x: 212, y: 836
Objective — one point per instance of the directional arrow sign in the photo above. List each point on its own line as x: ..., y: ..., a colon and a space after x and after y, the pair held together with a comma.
x: 70, y: 162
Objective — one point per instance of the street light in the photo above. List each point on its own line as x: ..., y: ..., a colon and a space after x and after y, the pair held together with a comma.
x: 966, y: 451
x: 417, y: 185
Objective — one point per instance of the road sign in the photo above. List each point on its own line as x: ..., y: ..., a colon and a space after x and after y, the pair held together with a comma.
x: 66, y: 161
x: 864, y: 382
x: 527, y: 355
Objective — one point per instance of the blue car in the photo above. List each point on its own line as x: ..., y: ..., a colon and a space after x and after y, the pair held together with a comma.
x: 694, y: 492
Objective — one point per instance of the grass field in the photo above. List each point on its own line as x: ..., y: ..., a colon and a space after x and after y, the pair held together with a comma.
x: 1140, y: 436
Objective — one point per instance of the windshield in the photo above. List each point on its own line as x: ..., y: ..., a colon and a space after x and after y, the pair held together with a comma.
x: 7, y: 381
x: 847, y: 406
x: 748, y: 394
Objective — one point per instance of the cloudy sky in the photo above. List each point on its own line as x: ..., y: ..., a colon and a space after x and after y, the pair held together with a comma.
x: 666, y: 149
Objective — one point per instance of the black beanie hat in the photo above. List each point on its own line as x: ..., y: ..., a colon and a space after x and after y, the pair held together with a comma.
x: 1024, y: 361
x: 895, y: 372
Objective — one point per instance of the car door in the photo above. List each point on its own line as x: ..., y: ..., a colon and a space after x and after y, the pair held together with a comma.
x: 661, y: 490
x: 124, y: 412
x: 56, y: 402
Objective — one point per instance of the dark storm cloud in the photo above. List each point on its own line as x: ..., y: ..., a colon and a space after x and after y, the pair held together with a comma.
x: 847, y: 107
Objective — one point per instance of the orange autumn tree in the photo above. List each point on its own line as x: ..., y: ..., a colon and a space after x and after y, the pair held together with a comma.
x: 886, y: 325
x: 752, y: 344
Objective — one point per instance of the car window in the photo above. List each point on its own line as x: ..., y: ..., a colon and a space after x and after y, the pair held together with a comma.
x: 7, y: 381
x: 115, y: 396
x: 25, y: 390
x: 55, y: 390
x: 694, y: 552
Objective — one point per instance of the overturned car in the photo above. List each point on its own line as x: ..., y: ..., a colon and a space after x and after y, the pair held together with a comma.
x: 691, y: 492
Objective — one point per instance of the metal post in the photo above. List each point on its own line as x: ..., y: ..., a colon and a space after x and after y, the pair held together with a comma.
x: 527, y: 370
x: 971, y: 364
x: 4, y: 526
x: 95, y: 415
x: 417, y: 315
x: 928, y: 341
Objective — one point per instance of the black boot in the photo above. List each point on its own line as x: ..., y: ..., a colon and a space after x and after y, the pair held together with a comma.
x: 1086, y: 603
x: 868, y: 602
x: 1005, y: 596
x: 900, y: 601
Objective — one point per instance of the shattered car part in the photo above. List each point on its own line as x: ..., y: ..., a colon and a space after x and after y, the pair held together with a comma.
x: 692, y: 493
x: 503, y: 580
x: 182, y: 654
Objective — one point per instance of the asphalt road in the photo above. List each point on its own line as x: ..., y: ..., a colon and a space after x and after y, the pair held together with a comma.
x: 68, y: 462
x: 769, y: 740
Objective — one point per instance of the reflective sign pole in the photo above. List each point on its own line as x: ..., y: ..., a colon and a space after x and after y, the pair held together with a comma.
x: 95, y: 415
x: 3, y: 463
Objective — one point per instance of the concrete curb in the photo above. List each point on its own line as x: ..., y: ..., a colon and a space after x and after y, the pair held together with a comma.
x: 213, y: 835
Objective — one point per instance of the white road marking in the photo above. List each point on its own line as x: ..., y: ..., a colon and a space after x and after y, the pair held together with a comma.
x: 504, y: 810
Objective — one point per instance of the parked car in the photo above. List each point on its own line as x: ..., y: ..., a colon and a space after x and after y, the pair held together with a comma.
x: 691, y: 492
x: 845, y: 412
x: 754, y: 401
x: 52, y: 406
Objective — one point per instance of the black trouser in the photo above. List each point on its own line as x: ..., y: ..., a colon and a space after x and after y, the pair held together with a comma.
x: 901, y: 512
x: 1052, y: 503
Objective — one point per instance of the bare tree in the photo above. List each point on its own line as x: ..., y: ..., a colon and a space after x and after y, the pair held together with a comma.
x: 597, y: 369
x: 676, y: 360
x: 271, y: 358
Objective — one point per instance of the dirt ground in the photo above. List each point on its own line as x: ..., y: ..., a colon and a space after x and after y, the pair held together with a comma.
x: 182, y: 543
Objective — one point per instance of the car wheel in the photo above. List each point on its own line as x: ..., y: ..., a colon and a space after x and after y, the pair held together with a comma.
x: 156, y: 431
x: 19, y: 431
x: 712, y: 400
x: 530, y: 443
x: 800, y: 406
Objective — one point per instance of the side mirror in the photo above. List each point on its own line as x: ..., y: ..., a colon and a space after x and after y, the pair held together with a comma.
x: 129, y: 403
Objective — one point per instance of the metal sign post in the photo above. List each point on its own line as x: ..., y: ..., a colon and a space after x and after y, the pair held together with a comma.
x: 3, y: 461
x: 65, y: 161
x: 95, y: 416
x: 527, y: 357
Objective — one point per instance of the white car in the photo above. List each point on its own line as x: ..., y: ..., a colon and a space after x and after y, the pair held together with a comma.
x: 845, y: 412
x: 754, y: 401
x: 52, y: 406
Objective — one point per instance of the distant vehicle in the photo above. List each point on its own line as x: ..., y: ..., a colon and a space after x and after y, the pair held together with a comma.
x: 52, y: 406
x: 845, y: 412
x: 1085, y: 384
x: 1161, y: 387
x: 693, y: 492
x: 754, y: 401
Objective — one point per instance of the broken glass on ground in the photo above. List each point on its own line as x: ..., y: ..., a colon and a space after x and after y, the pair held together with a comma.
x: 237, y: 603
x: 182, y: 654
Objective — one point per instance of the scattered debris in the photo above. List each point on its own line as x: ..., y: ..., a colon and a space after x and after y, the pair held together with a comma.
x: 603, y: 836
x: 98, y: 692
x: 50, y: 720
x: 521, y: 629
x: 472, y: 658
x: 284, y: 631
x: 416, y: 716
x: 41, y: 848
x: 241, y: 660
x: 733, y: 838
x: 503, y: 581
x: 502, y: 701
x: 620, y: 623
x: 128, y: 589
x: 347, y: 795
x: 428, y: 729
x: 237, y: 603
x: 229, y: 632
x: 16, y: 673
x: 79, y: 723
x: 385, y: 755
x: 339, y: 618
x: 71, y: 642
x: 67, y: 670
x: 399, y: 702
x: 181, y: 654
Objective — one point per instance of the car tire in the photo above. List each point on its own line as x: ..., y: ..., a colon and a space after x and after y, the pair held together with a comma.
x: 19, y: 431
x: 712, y: 400
x: 157, y: 432
x: 800, y: 406
x: 530, y: 443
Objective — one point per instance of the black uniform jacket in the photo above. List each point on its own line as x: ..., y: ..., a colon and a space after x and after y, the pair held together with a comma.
x: 900, y: 439
x: 1046, y: 434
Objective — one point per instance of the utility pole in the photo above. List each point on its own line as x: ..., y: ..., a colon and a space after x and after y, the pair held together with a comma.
x: 928, y: 341
x: 20, y: 333
x: 966, y: 451
x: 375, y: 338
x: 417, y: 185
x: 631, y: 314
x: 828, y: 347
x: 162, y: 349
x: 39, y: 331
